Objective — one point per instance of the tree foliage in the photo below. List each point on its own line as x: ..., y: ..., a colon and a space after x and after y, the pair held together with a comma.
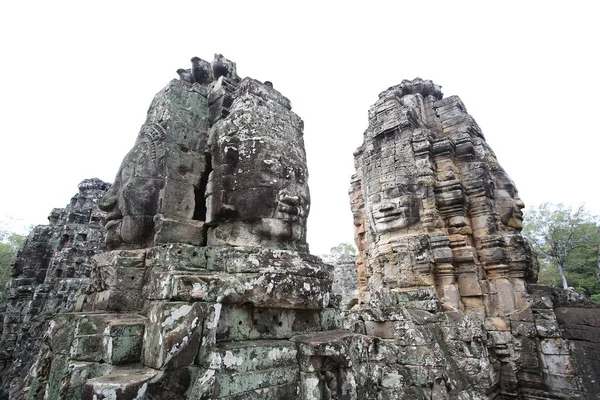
x: 342, y: 253
x: 567, y: 242
x: 10, y: 242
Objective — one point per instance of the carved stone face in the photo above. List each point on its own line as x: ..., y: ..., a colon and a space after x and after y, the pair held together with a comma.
x: 508, y: 202
x: 268, y: 194
x: 287, y: 221
x: 132, y: 201
x: 394, y: 208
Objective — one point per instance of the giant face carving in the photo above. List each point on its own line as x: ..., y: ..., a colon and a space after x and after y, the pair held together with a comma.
x: 132, y: 201
x: 508, y: 202
x: 258, y: 191
x: 255, y: 185
x: 288, y: 203
x: 161, y: 174
x: 394, y: 208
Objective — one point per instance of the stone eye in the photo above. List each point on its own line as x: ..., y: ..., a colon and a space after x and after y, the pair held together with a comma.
x: 300, y: 178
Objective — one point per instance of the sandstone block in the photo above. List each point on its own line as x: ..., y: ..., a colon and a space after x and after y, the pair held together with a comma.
x: 177, y: 256
x: 119, y: 385
x: 229, y: 384
x: 171, y: 385
x: 256, y: 355
x: 175, y: 229
x: 246, y: 322
x: 173, y: 334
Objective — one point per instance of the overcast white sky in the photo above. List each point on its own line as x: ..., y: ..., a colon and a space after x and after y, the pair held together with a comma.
x: 77, y: 77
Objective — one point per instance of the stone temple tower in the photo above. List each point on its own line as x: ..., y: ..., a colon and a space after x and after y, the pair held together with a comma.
x: 206, y: 288
x: 437, y: 224
x: 208, y: 274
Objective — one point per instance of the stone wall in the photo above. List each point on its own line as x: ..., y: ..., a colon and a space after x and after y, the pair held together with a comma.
x: 49, y: 275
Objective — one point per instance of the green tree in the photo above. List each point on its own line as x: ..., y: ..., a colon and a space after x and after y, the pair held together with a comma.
x: 10, y: 242
x: 343, y: 252
x: 567, y: 242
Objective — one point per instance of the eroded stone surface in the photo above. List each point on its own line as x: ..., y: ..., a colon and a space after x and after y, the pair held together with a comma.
x: 49, y: 274
x: 437, y: 224
x: 154, y: 196
x: 209, y: 292
x: 209, y: 274
x: 258, y: 192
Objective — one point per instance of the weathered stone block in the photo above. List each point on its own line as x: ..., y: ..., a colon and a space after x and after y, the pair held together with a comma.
x: 525, y: 329
x: 123, y: 340
x: 468, y: 285
x: 77, y: 375
x: 171, y: 385
x: 112, y: 338
x: 178, y: 199
x: 118, y: 301
x: 175, y: 229
x: 177, y: 257
x: 203, y: 385
x: 280, y: 290
x: 547, y: 326
x: 564, y: 382
x: 183, y: 164
x: 173, y: 334
x: 425, y: 355
x: 128, y: 279
x: 311, y: 385
x: 346, y: 347
x: 246, y: 322
x: 61, y: 332
x: 158, y: 285
x: 393, y: 381
x: 87, y: 348
x: 384, y: 330
x: 554, y: 346
x: 558, y: 364
x: 119, y: 385
x: 332, y: 319
x: 234, y: 383
x: 191, y: 288
x: 59, y: 370
x: 254, y: 355
x: 284, y: 391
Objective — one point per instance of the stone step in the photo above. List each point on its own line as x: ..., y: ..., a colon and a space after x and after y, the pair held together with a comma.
x: 253, y: 355
x: 121, y: 384
x: 111, y: 338
x: 236, y: 383
x: 286, y: 391
x: 251, y: 369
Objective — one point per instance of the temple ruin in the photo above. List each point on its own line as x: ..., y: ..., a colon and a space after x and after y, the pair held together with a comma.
x: 190, y: 277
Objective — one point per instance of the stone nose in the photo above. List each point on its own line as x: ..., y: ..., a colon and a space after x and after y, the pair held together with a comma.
x: 519, y: 203
x: 108, y: 202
